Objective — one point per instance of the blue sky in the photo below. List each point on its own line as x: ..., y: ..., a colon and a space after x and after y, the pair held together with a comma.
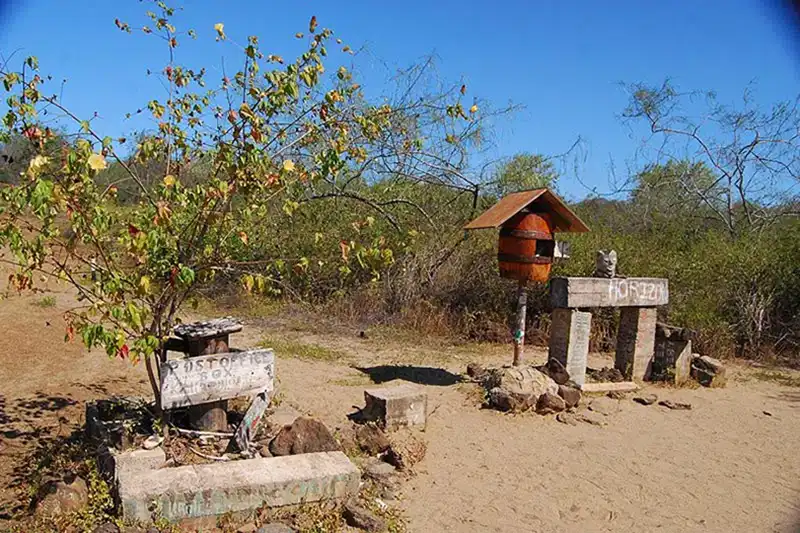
x: 562, y: 60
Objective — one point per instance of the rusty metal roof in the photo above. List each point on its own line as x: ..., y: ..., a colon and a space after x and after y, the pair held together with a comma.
x: 564, y: 219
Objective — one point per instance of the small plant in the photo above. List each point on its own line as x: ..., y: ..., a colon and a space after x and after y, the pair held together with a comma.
x: 301, y: 350
x: 45, y: 302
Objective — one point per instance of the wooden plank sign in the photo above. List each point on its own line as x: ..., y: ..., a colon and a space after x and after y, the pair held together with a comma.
x: 249, y: 425
x: 608, y: 292
x: 209, y: 378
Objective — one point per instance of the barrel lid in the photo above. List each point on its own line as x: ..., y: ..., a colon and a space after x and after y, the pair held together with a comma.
x: 545, y: 201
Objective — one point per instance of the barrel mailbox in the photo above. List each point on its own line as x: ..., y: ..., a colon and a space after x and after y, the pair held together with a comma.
x: 526, y: 248
x: 528, y: 221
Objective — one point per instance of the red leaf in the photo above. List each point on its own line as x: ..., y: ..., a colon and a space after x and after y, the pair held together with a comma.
x: 133, y: 230
x: 123, y: 352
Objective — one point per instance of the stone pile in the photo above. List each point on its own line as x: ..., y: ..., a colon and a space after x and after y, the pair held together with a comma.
x: 546, y: 389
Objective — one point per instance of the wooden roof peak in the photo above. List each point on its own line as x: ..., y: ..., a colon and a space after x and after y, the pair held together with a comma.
x: 564, y: 220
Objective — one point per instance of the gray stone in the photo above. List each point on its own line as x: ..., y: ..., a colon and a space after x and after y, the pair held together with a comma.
x: 152, y: 442
x: 195, y: 491
x: 708, y: 371
x: 275, y: 528
x: 673, y: 356
x: 379, y: 470
x: 397, y: 406
x: 592, y: 418
x: 502, y: 400
x: 613, y: 292
x: 604, y: 406
x: 636, y: 342
x: 571, y: 396
x: 647, y: 399
x: 305, y: 435
x: 550, y: 403
x: 569, y: 341
x: 565, y: 417
x: 63, y: 497
x: 677, y: 406
x: 357, y: 516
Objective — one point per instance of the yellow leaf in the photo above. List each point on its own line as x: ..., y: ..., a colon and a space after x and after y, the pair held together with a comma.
x: 288, y: 165
x: 144, y: 284
x: 243, y: 237
x: 37, y: 162
x: 220, y: 27
x: 474, y: 108
x: 169, y: 180
x: 97, y: 162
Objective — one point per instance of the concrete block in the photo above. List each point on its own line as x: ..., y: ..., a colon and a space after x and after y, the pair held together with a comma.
x: 569, y: 341
x: 195, y: 491
x: 609, y: 292
x: 636, y: 342
x: 672, y: 359
x: 397, y: 406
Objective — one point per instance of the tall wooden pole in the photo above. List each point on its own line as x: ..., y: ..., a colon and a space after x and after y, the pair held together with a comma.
x: 519, y: 330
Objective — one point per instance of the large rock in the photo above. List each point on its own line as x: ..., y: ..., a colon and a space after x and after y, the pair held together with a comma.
x: 503, y: 400
x: 63, y: 497
x: 550, y: 403
x: 371, y: 439
x: 304, y: 435
x: 524, y: 381
x: 571, y: 395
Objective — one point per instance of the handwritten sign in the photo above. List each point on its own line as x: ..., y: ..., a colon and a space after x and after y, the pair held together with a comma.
x: 249, y: 425
x: 209, y: 378
x: 608, y: 292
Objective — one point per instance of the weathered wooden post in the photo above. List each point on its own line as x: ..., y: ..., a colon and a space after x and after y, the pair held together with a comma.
x: 519, y: 332
x: 207, y: 338
x: 526, y: 248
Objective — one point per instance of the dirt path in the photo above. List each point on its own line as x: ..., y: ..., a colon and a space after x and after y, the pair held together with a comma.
x: 723, y: 466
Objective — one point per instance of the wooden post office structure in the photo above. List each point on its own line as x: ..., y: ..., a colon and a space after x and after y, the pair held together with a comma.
x: 527, y: 247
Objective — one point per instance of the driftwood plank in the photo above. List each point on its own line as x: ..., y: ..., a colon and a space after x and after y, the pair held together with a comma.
x: 249, y: 425
x: 209, y: 378
x: 206, y: 329
x: 608, y: 292
x: 622, y: 386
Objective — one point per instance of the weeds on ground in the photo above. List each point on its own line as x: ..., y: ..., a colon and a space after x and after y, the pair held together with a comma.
x: 45, y: 302
x: 314, y: 352
x: 787, y: 379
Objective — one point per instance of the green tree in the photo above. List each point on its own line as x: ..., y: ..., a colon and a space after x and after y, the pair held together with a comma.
x: 274, y: 135
x: 522, y: 172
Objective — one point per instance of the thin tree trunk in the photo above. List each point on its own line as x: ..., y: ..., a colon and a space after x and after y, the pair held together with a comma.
x: 519, y: 332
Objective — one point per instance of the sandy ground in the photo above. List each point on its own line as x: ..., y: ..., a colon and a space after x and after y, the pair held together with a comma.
x: 723, y: 466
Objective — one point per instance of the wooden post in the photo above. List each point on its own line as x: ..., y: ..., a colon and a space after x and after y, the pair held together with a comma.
x: 206, y: 338
x: 211, y: 416
x: 519, y: 331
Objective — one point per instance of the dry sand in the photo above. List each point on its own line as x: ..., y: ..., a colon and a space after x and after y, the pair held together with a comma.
x: 724, y: 466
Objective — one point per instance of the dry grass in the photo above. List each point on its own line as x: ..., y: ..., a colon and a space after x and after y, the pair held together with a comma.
x: 290, y: 348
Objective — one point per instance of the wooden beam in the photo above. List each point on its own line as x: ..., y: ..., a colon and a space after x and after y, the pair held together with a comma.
x: 608, y: 292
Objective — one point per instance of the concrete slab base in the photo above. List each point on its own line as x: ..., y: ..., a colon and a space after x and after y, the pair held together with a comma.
x: 213, y: 489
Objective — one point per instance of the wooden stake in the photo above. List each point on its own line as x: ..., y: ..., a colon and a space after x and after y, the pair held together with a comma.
x: 519, y: 331
x: 212, y: 416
